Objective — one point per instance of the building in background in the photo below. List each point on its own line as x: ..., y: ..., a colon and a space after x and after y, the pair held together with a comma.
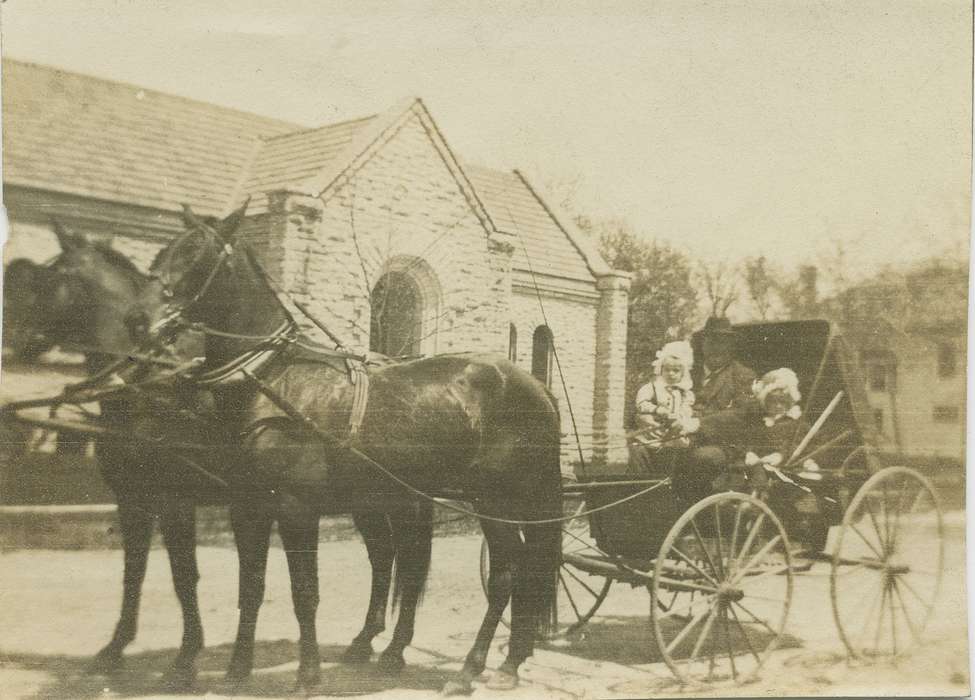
x: 392, y: 240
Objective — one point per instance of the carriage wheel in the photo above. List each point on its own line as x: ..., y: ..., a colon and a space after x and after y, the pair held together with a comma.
x: 732, y: 552
x: 888, y: 562
x: 579, y: 594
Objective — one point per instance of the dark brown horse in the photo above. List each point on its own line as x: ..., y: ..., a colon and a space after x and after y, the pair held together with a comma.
x: 473, y: 423
x: 78, y: 301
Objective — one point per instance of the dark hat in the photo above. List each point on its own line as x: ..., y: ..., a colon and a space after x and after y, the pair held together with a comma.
x: 718, y: 326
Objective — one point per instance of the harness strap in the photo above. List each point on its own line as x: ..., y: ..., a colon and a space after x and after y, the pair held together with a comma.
x: 360, y: 396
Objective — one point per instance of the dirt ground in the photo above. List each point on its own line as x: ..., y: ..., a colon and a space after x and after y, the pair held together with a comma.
x: 58, y: 607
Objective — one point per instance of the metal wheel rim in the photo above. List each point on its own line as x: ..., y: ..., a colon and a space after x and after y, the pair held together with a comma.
x: 897, y: 596
x: 737, y: 550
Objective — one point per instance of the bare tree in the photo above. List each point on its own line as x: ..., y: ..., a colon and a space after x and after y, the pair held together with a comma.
x: 760, y: 284
x: 720, y: 282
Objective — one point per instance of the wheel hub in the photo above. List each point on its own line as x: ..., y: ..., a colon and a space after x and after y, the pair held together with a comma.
x: 729, y: 593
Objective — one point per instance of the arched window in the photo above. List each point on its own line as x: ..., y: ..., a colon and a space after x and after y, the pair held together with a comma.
x: 542, y: 346
x: 512, y: 342
x: 396, y: 324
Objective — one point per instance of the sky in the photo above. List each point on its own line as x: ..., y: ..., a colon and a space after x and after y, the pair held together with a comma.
x: 729, y: 129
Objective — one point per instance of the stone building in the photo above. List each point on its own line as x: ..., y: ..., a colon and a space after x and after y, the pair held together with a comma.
x: 376, y: 224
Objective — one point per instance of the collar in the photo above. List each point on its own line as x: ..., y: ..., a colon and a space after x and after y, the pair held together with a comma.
x: 252, y: 360
x: 793, y: 413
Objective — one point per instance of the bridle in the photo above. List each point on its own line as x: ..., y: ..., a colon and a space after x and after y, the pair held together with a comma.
x: 176, y: 311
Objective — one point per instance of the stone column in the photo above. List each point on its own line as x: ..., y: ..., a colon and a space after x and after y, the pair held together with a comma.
x: 609, y: 387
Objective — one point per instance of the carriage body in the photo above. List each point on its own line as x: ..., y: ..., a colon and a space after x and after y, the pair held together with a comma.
x: 720, y: 570
x: 843, y: 446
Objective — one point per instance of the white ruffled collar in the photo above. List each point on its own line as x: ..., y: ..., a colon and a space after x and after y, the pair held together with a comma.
x: 794, y: 413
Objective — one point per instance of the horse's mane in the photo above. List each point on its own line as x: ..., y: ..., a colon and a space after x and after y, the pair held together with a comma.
x: 117, y: 259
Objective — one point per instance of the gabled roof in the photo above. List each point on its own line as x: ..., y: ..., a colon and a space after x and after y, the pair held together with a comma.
x: 287, y: 160
x: 540, y: 237
x: 81, y: 135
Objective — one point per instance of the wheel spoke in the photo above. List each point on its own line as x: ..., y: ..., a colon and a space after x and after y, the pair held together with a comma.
x: 880, y: 557
x: 707, y: 554
x: 744, y: 633
x: 913, y: 592
x: 758, y: 577
x: 915, y: 632
x: 886, y: 500
x: 866, y: 621
x: 880, y: 620
x: 876, y: 527
x: 734, y: 535
x: 727, y: 638
x: 759, y: 555
x: 693, y: 565
x: 717, y: 525
x: 893, y: 622
x: 704, y: 634
x: 897, y: 514
x: 749, y: 540
x: 766, y: 598
x: 582, y: 583
x: 686, y: 630
x: 568, y: 595
x: 756, y: 618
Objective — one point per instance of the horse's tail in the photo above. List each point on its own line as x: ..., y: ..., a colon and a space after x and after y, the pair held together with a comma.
x: 544, y: 550
x: 413, y: 545
x: 544, y: 541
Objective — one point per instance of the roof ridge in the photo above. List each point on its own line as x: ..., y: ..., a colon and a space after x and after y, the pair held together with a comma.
x: 168, y: 95
x: 320, y: 127
x: 594, y: 261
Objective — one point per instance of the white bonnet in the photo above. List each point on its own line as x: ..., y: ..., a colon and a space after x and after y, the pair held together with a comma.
x: 679, y: 350
x: 783, y: 379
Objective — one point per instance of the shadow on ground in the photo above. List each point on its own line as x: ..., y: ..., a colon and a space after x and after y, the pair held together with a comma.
x: 630, y: 641
x: 141, y: 674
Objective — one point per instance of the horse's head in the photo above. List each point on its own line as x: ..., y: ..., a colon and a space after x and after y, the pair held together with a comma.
x: 80, y: 298
x: 30, y: 314
x: 195, y: 265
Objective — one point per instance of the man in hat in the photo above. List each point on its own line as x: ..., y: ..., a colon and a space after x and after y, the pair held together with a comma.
x: 725, y: 382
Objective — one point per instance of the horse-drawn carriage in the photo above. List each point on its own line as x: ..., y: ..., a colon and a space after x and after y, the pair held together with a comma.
x: 720, y: 571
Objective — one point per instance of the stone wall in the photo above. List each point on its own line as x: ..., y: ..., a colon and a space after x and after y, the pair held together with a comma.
x: 401, y: 208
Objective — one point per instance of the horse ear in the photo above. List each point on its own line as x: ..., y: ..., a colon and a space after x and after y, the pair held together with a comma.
x: 191, y: 220
x: 228, y: 227
x: 67, y: 239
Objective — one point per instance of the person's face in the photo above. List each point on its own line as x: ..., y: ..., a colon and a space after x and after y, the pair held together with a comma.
x: 672, y: 371
x: 777, y: 403
x: 718, y: 349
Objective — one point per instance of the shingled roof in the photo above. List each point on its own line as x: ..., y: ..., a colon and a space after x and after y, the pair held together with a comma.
x: 97, y: 138
x: 76, y: 134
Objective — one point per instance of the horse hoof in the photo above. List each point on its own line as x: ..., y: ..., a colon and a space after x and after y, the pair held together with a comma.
x: 357, y: 653
x: 236, y: 674
x: 502, y: 680
x: 390, y: 663
x: 105, y: 662
x: 179, y: 678
x: 308, y: 680
x: 454, y: 689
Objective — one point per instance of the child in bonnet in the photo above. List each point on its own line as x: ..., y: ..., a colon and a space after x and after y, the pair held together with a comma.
x: 664, y: 406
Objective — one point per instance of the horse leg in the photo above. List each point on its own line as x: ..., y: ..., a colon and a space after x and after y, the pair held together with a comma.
x: 376, y: 533
x: 503, y: 547
x: 413, y: 535
x: 178, y: 524
x: 298, y: 527
x: 252, y: 530
x: 135, y: 523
